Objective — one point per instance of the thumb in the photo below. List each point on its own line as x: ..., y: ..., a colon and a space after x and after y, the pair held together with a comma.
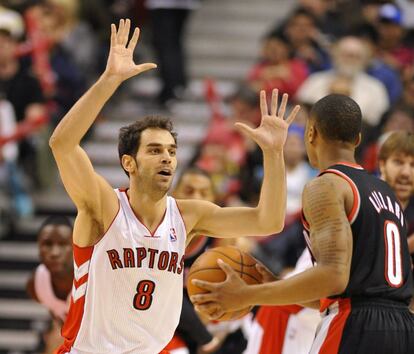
x: 245, y: 129
x: 144, y: 67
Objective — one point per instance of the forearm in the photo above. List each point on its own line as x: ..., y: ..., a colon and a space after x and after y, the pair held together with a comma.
x: 81, y: 116
x: 309, y: 286
x: 272, y: 202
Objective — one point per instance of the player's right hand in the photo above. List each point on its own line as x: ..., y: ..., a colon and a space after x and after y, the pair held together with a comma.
x: 120, y: 65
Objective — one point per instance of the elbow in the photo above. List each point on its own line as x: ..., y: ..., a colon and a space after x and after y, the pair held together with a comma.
x: 53, y: 142
x: 272, y: 228
x: 337, y: 284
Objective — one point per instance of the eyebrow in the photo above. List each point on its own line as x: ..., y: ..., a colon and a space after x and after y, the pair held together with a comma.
x: 160, y: 145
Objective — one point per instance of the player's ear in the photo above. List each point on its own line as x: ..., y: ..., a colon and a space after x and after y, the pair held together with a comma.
x: 358, y: 140
x: 128, y: 163
x: 311, y: 133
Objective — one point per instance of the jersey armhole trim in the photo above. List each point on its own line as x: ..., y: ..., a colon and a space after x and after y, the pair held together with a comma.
x: 357, y: 199
x: 182, y: 218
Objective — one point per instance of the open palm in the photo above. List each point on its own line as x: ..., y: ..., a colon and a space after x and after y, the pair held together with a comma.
x: 272, y: 132
x: 120, y: 63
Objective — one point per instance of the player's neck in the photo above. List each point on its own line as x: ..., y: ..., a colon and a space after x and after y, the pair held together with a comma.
x: 332, y: 156
x: 148, y: 207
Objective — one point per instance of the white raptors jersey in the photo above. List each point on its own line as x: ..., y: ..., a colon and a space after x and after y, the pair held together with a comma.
x: 127, y: 291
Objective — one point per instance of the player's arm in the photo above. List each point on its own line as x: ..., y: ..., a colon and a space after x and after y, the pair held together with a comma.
x: 89, y: 191
x: 268, y: 216
x: 331, y: 237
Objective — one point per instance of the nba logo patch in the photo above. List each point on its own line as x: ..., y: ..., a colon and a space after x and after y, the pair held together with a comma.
x: 173, y: 235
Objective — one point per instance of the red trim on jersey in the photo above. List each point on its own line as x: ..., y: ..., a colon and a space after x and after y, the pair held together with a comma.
x: 182, y: 218
x: 274, y: 320
x: 74, y: 318
x: 350, y: 164
x: 357, y: 200
x: 333, y: 338
x: 82, y: 254
x: 176, y: 343
x: 304, y: 222
x: 138, y: 218
x: 325, y: 303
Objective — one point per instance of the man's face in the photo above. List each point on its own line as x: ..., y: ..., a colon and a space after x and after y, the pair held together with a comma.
x: 156, y: 159
x: 350, y: 56
x: 8, y: 48
x: 195, y: 186
x: 294, y: 150
x: 55, y: 248
x: 398, y: 172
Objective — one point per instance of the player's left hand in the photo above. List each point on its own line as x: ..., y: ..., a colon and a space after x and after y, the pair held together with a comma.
x: 222, y: 297
x: 272, y: 132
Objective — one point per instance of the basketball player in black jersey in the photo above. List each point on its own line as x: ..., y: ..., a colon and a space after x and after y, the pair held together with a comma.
x: 361, y: 279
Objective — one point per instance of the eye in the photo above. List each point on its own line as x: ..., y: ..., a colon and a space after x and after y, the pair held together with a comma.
x: 155, y: 151
x: 173, y: 152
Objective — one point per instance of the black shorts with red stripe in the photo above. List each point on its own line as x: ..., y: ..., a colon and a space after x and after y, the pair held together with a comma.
x: 365, y: 326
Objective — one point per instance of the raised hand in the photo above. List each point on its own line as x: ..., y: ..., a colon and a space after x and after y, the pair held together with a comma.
x: 120, y: 65
x: 272, y: 132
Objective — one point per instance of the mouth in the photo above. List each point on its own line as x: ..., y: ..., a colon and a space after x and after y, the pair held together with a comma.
x: 165, y: 172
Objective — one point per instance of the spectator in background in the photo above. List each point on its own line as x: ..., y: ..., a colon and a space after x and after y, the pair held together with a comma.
x: 302, y: 32
x: 168, y: 25
x: 56, y: 23
x: 51, y: 282
x: 392, y: 48
x: 350, y: 58
x: 377, y: 68
x: 408, y: 91
x: 396, y: 162
x: 277, y: 67
x: 20, y: 87
x: 74, y: 37
x: 10, y: 173
x: 224, y: 150
x: 400, y: 118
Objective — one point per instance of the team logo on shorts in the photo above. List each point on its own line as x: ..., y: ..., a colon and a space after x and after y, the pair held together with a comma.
x: 173, y: 235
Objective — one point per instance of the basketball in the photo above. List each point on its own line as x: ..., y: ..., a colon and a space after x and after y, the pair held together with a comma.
x: 206, y: 268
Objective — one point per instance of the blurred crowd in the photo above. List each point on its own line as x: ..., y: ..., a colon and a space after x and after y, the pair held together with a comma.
x: 52, y: 50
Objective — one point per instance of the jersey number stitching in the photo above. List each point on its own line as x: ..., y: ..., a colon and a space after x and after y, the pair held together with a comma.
x: 393, y: 264
x: 143, y: 297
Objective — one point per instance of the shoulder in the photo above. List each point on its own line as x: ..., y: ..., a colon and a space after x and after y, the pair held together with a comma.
x: 193, y: 210
x: 328, y: 184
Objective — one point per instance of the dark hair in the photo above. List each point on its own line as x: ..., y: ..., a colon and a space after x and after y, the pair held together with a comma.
x: 399, y: 141
x: 301, y: 11
x: 56, y: 220
x: 246, y: 94
x: 194, y: 170
x: 337, y: 117
x: 130, y: 136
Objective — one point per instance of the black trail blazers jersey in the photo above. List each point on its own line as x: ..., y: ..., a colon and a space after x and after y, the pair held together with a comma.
x: 381, y: 264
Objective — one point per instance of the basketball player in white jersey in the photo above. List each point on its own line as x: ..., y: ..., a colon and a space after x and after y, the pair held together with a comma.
x: 129, y: 244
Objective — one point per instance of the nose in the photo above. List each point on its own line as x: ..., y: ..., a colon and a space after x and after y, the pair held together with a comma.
x: 55, y: 251
x: 166, y: 157
x: 406, y: 169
